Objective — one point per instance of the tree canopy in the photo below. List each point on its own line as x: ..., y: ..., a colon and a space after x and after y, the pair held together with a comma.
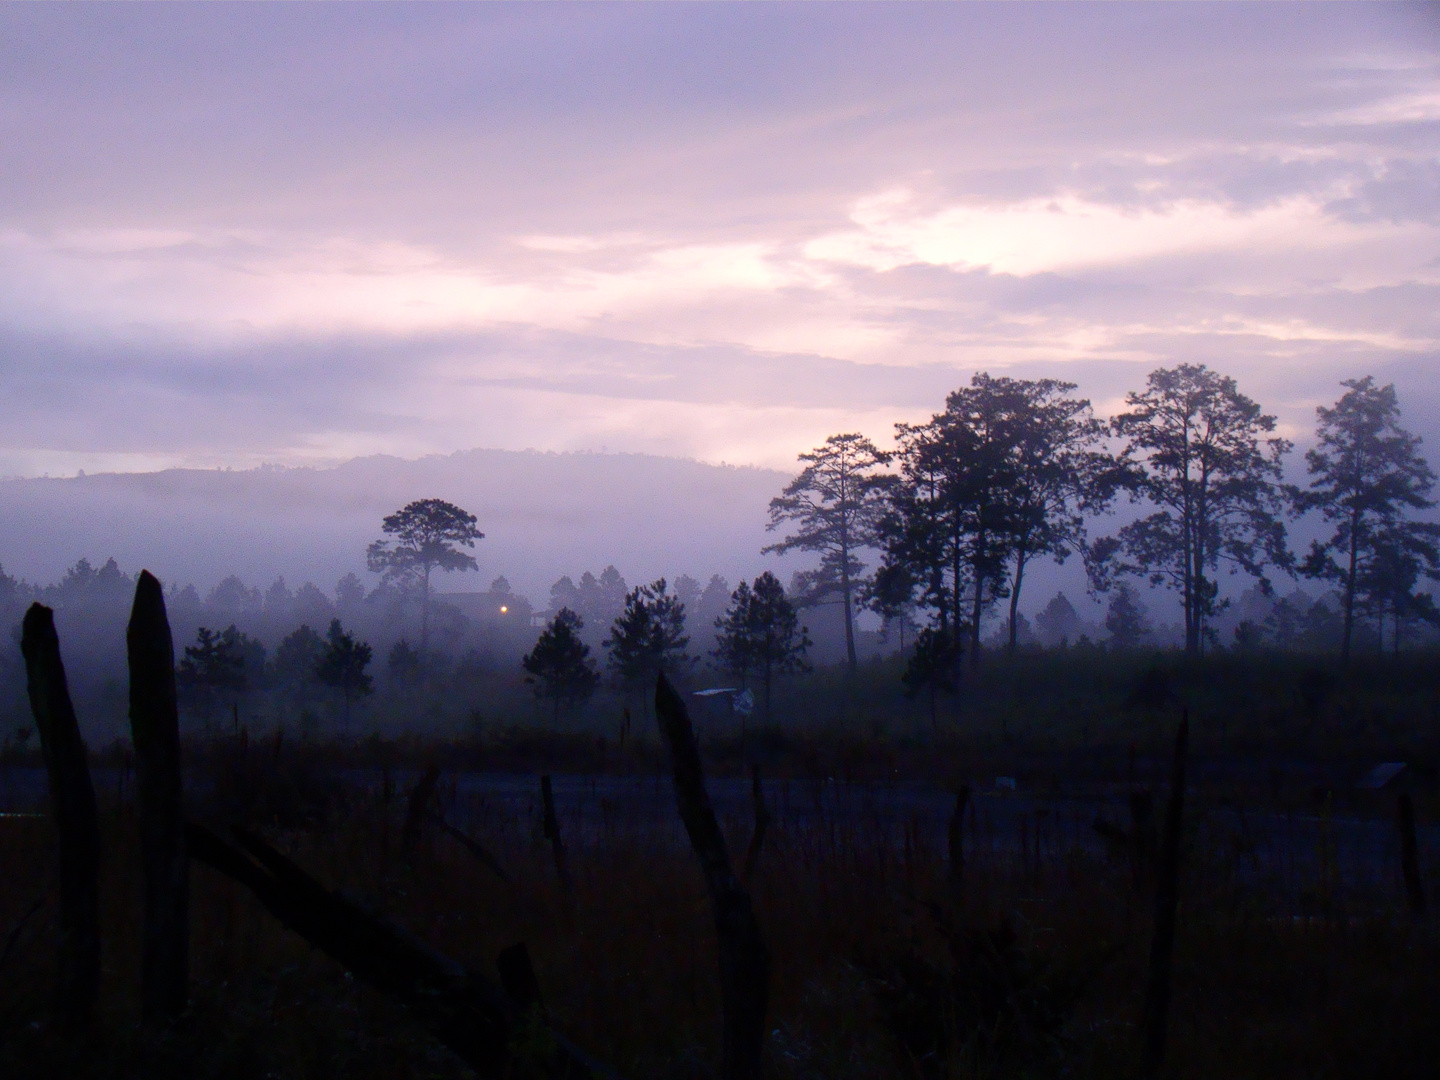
x: 1366, y: 474
x: 836, y: 502
x: 1201, y: 455
x: 760, y: 634
x: 428, y: 535
x: 559, y: 665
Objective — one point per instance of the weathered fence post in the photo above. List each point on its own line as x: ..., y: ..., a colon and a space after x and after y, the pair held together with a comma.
x: 552, y: 833
x: 1409, y: 860
x: 72, y: 801
x: 419, y: 799
x: 762, y: 822
x: 155, y: 730
x: 956, y: 840
x: 1162, y: 946
x: 744, y: 957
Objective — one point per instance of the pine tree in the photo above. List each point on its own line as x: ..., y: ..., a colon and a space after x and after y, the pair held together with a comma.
x: 1367, y: 473
x: 760, y: 634
x: 342, y: 665
x: 559, y: 666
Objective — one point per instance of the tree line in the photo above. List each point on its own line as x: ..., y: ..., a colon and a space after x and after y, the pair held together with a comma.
x: 1015, y: 470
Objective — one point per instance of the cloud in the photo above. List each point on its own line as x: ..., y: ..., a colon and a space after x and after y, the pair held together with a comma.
x: 699, y: 230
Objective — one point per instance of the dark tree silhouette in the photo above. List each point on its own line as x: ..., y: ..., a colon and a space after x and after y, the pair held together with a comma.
x: 947, y: 524
x: 837, y: 502
x: 1366, y: 472
x: 404, y: 662
x: 212, y: 666
x: 1052, y: 469
x: 760, y: 634
x: 1202, y: 460
x: 560, y: 666
x: 932, y: 666
x: 342, y: 665
x: 648, y: 637
x: 428, y: 535
x: 1125, y: 618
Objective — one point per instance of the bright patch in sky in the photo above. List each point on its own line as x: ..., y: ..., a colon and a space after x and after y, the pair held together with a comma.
x: 721, y: 231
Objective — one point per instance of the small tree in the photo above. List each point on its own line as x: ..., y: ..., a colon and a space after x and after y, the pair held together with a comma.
x: 933, y: 666
x: 837, y: 501
x: 1366, y: 472
x: 404, y: 662
x: 1125, y: 618
x: 648, y: 637
x: 761, y: 634
x: 342, y: 665
x: 429, y: 533
x: 560, y: 666
x: 295, y: 661
x: 212, y: 666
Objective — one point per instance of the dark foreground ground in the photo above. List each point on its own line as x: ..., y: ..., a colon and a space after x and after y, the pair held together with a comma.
x: 1296, y: 954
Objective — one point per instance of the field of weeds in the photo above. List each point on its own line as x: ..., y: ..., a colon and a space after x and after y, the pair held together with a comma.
x: 888, y: 959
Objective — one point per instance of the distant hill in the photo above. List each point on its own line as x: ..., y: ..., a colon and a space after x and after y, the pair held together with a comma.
x: 544, y: 515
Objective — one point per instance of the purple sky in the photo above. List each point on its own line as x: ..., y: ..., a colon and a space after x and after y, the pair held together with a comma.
x: 264, y: 233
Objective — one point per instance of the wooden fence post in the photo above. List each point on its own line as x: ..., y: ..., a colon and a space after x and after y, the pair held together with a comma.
x: 744, y: 957
x: 1409, y: 860
x: 956, y: 840
x: 415, y: 805
x: 155, y: 730
x: 762, y: 822
x: 72, y: 801
x: 552, y: 833
x: 1167, y: 893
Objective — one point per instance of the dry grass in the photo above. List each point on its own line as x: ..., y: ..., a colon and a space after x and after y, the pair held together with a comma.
x: 1038, y: 971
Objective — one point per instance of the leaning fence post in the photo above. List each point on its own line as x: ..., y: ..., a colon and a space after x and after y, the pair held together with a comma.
x: 1162, y: 947
x: 72, y: 801
x: 1409, y: 861
x: 744, y: 957
x: 155, y: 730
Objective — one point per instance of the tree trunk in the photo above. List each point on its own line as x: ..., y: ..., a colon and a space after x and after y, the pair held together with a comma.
x: 744, y: 957
x: 1350, y: 574
x: 72, y: 802
x: 846, y: 588
x: 155, y: 730
x: 1015, y: 596
x: 425, y: 617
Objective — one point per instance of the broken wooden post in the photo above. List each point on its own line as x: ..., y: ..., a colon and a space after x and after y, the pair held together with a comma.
x: 552, y: 833
x: 155, y: 730
x: 1409, y: 860
x: 420, y: 796
x: 956, y: 841
x: 1162, y: 946
x: 72, y: 802
x: 744, y: 957
x: 762, y: 822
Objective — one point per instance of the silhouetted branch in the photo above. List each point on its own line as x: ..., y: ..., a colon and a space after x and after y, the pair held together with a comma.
x: 470, y: 844
x: 469, y: 1014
